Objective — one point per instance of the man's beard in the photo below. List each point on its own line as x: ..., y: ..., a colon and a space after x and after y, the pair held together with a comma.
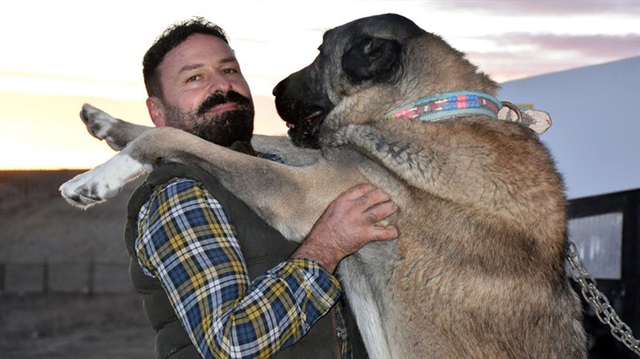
x: 224, y: 128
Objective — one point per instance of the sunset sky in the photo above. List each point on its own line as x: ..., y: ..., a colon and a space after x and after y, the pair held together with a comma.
x: 57, y: 55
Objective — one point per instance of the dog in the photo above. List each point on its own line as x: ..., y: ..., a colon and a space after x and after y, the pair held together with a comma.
x: 478, y: 271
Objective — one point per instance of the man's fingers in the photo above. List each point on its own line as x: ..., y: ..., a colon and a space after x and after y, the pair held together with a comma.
x: 358, y: 191
x: 374, y: 197
x: 375, y: 204
x: 381, y: 211
x: 386, y: 233
x: 367, y: 195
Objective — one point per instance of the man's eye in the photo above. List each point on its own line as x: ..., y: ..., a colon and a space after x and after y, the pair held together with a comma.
x: 230, y: 71
x: 193, y: 78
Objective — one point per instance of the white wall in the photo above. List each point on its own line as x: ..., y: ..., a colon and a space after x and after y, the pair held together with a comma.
x: 595, y: 136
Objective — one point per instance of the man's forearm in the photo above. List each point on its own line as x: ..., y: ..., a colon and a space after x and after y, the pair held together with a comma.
x: 326, y: 257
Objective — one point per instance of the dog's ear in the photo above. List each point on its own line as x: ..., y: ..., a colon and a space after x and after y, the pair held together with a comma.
x: 371, y: 58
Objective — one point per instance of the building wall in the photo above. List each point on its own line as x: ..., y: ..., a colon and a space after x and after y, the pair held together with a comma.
x: 595, y: 136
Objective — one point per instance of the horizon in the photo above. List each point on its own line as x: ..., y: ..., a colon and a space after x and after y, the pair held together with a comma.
x: 88, y: 59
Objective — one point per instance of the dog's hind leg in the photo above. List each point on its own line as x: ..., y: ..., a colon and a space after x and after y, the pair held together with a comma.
x: 362, y: 302
x: 117, y: 133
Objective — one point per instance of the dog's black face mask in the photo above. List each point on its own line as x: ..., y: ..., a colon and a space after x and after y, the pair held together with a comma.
x: 302, y: 100
x: 350, y: 58
x: 303, y: 105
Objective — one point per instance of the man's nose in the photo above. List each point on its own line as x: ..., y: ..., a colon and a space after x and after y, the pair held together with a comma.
x: 219, y: 83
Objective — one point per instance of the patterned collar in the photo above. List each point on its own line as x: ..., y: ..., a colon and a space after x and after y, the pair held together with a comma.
x: 448, y: 104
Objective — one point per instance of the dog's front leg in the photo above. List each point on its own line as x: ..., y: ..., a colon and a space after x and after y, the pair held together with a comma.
x: 289, y: 198
x: 104, y: 181
x: 117, y: 133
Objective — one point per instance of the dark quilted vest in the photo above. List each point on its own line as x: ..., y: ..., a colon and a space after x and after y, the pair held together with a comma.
x: 263, y: 248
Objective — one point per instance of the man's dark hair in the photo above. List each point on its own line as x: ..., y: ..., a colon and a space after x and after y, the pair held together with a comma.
x: 173, y: 36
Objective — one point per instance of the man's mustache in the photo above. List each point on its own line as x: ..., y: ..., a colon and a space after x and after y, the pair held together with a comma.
x: 219, y: 99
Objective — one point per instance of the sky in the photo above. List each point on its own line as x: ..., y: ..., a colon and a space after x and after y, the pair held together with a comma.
x: 57, y: 55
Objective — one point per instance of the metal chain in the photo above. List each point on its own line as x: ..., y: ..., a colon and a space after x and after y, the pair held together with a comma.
x: 605, y: 312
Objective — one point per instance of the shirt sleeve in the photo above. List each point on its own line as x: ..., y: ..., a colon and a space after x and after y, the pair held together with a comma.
x: 185, y: 239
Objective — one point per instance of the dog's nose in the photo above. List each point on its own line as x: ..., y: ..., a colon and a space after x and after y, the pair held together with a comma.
x: 278, y: 88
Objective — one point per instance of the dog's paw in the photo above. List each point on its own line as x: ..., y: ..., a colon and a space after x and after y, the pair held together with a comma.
x: 102, y: 126
x: 97, y: 121
x: 101, y: 183
x: 84, y: 190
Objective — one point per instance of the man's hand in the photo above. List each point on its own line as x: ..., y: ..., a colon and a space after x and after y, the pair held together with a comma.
x: 347, y: 224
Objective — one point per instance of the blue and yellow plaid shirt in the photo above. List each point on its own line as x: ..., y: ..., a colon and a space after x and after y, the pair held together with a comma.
x: 185, y: 239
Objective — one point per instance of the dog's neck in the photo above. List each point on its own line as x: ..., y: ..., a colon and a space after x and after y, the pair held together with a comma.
x: 447, y: 105
x: 451, y: 104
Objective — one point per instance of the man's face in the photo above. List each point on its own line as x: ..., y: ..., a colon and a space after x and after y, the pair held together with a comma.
x: 204, y: 92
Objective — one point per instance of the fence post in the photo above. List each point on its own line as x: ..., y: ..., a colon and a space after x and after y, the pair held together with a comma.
x: 2, y: 271
x: 91, y: 279
x: 45, y: 277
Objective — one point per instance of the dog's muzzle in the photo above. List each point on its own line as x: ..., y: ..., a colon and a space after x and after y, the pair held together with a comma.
x: 302, y: 108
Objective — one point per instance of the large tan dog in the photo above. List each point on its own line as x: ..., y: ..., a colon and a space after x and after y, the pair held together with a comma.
x: 478, y: 271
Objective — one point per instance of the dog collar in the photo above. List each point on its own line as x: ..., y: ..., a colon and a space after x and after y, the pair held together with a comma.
x: 458, y: 103
x: 448, y: 104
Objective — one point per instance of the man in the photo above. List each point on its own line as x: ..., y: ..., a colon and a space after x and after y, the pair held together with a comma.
x: 237, y: 286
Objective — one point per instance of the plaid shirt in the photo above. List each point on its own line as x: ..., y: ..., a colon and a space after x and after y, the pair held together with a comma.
x: 185, y: 239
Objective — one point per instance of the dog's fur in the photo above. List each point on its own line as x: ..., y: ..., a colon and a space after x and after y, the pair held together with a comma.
x: 478, y: 270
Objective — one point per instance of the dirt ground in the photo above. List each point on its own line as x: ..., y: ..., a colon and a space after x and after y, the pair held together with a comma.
x: 61, y: 326
x: 38, y: 226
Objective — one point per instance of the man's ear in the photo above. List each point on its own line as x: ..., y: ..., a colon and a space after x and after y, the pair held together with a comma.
x: 156, y: 111
x: 371, y: 58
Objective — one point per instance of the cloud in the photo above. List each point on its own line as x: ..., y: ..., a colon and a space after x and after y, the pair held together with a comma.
x: 542, y: 53
x: 598, y: 46
x: 614, y: 46
x: 554, y: 8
